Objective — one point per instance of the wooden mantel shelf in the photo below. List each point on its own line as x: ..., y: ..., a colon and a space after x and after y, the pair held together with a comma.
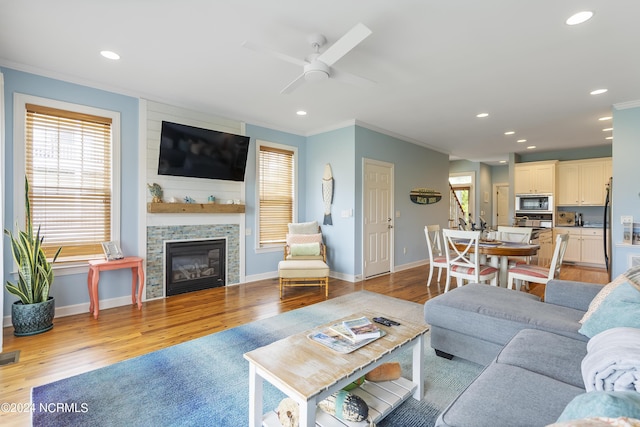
x: 193, y: 208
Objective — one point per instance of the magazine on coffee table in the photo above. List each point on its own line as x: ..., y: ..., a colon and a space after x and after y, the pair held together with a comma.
x: 336, y: 342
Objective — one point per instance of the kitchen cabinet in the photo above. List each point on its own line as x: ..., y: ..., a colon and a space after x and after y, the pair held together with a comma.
x: 535, y: 177
x: 585, y: 245
x: 582, y: 182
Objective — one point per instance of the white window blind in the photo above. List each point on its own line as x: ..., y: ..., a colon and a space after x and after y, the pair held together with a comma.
x: 276, y: 168
x: 68, y: 164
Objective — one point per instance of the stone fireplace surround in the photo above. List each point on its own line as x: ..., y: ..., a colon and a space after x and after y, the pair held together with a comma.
x: 157, y: 235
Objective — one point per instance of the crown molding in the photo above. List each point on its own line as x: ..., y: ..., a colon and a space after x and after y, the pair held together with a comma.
x: 627, y: 105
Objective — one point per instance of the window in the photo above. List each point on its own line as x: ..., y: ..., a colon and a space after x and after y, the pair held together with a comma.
x: 276, y: 192
x: 68, y: 159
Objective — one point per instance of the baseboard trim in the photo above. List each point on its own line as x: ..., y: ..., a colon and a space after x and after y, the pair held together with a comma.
x: 410, y: 265
x: 70, y: 310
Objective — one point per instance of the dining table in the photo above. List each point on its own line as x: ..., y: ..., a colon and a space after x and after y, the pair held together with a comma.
x: 499, y: 252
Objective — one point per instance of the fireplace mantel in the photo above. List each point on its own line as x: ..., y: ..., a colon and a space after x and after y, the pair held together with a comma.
x: 194, y: 208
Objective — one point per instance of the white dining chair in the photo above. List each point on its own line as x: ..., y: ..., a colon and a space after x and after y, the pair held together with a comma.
x: 437, y: 258
x: 539, y: 274
x: 514, y: 234
x: 464, y: 264
x: 517, y: 235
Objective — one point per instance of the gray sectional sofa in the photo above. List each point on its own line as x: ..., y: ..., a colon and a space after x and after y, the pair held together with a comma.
x: 532, y: 351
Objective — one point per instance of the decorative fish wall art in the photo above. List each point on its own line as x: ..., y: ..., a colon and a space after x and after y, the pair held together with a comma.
x: 327, y: 193
x: 424, y: 196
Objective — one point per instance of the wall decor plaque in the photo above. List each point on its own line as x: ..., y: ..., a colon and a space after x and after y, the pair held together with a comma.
x: 424, y: 196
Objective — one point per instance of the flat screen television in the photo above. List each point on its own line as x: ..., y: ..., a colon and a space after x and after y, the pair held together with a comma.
x: 202, y: 153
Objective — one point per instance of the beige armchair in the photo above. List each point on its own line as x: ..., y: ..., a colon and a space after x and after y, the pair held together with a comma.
x: 305, y: 258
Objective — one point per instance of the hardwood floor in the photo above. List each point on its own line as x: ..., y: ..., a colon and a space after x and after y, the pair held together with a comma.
x: 81, y: 343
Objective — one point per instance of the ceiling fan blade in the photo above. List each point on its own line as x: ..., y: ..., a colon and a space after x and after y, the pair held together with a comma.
x: 352, y: 79
x: 293, y: 85
x: 345, y: 44
x: 282, y: 56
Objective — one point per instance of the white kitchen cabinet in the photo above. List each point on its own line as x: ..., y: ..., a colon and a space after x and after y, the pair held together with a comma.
x: 535, y: 177
x: 585, y: 245
x: 592, y: 250
x: 582, y: 182
x: 572, y: 254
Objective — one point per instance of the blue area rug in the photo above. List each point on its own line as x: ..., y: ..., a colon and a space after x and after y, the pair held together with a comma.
x: 205, y: 382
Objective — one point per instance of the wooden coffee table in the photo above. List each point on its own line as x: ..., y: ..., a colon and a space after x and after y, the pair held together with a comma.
x: 308, y: 372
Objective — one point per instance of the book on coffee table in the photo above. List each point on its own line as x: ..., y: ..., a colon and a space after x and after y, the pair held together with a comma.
x: 361, y: 328
x: 337, y: 342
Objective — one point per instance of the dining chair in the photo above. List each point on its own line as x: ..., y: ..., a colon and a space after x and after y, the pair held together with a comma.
x: 536, y: 273
x: 518, y: 235
x: 514, y: 234
x: 437, y: 258
x: 464, y: 264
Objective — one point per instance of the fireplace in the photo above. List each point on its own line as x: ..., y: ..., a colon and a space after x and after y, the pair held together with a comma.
x: 193, y: 265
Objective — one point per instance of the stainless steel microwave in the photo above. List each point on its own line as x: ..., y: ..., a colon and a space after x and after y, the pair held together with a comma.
x: 534, y: 203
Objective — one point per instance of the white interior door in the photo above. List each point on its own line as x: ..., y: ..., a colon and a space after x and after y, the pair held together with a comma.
x: 378, y: 217
x: 501, y: 207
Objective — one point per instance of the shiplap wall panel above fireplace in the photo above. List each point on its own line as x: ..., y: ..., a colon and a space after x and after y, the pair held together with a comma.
x: 185, y: 226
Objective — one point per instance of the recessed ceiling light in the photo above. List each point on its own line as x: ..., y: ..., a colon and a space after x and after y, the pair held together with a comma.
x: 110, y: 55
x: 509, y: 132
x: 602, y: 119
x: 609, y: 137
x: 531, y: 147
x: 607, y: 129
x: 502, y: 161
x: 521, y: 140
x: 597, y: 91
x: 579, y: 18
x: 301, y: 113
x: 482, y: 115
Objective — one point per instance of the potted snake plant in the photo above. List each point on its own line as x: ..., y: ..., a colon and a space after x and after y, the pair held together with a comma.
x: 34, y: 311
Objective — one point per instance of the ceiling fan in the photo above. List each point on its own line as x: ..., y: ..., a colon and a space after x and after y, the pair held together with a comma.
x: 319, y: 66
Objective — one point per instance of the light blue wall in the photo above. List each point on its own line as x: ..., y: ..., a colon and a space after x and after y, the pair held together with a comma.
x: 415, y: 166
x: 499, y: 174
x: 604, y: 150
x: 72, y: 289
x: 264, y: 262
x: 336, y: 148
x: 626, y: 185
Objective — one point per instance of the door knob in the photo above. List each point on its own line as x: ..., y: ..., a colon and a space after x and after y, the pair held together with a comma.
x: 390, y: 226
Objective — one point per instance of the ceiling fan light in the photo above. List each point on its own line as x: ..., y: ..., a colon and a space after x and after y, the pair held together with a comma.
x: 316, y: 75
x: 316, y: 71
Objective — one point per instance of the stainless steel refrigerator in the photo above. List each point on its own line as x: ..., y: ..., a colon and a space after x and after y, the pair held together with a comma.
x: 606, y: 226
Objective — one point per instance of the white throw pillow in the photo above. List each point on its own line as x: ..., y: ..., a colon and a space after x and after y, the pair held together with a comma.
x: 303, y: 227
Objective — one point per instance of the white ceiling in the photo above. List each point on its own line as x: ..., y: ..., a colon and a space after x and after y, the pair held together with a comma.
x: 436, y: 63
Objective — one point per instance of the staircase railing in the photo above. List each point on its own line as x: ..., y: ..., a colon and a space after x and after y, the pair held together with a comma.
x: 456, y: 212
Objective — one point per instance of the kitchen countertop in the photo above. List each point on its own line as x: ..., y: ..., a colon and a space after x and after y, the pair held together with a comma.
x: 594, y: 225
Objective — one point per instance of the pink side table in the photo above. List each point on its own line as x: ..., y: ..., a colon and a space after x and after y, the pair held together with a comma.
x: 96, y: 266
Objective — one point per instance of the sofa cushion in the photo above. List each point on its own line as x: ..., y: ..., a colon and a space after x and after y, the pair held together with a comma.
x: 497, y: 314
x: 632, y: 276
x: 506, y: 395
x: 609, y: 404
x: 621, y: 308
x: 547, y: 354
